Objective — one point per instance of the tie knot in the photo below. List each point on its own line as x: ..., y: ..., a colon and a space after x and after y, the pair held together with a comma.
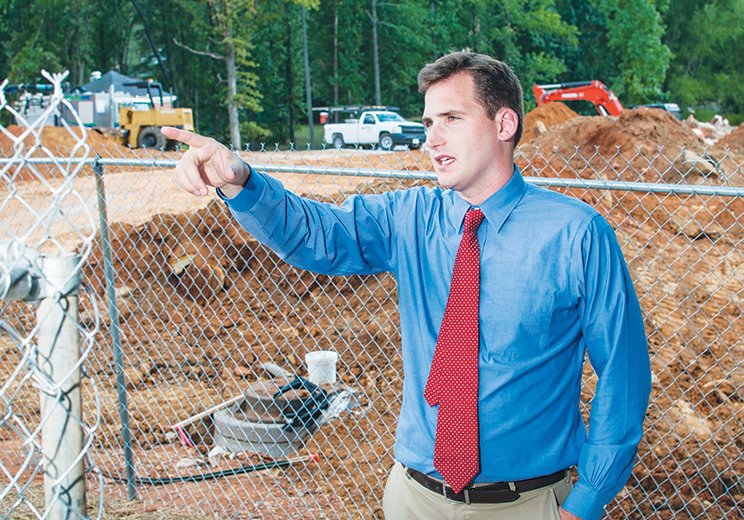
x: 473, y: 219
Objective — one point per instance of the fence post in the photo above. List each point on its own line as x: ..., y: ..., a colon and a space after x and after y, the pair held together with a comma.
x: 61, y: 399
x: 121, y: 388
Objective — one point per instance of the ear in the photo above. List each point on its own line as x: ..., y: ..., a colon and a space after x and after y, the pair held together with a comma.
x: 508, y: 123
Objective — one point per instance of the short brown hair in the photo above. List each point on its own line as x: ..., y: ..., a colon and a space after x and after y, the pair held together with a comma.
x: 495, y: 82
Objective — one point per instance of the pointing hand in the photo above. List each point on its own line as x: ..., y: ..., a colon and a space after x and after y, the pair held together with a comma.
x: 207, y: 163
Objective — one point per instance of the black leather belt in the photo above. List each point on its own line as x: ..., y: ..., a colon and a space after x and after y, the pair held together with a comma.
x: 492, y: 493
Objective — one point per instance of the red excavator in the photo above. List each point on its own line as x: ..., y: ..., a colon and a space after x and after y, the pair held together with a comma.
x: 596, y: 93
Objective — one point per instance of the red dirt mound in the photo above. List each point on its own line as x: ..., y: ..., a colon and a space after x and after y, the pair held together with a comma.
x: 626, y: 147
x: 732, y: 142
x: 728, y: 153
x: 543, y: 117
x: 57, y: 139
x: 645, y: 128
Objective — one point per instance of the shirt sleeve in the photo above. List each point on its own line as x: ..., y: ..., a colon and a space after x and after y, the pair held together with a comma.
x: 613, y: 333
x: 353, y: 238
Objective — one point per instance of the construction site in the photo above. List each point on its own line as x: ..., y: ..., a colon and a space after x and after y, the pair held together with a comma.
x: 203, y: 309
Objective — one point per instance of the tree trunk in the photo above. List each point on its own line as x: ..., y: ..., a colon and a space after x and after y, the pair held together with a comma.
x: 375, y: 54
x: 432, y: 21
x: 163, y: 68
x: 232, y: 90
x: 124, y: 55
x: 288, y: 70
x: 308, y: 89
x: 475, y: 28
x: 78, y: 47
x: 335, y: 55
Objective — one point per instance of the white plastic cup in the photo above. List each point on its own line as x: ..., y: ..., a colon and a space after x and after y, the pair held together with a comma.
x: 321, y: 366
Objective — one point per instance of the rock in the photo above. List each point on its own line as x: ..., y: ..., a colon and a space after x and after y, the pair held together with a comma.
x: 124, y: 291
x: 685, y: 421
x: 540, y: 128
x: 187, y: 463
x: 133, y: 377
x: 242, y: 371
x: 693, y: 164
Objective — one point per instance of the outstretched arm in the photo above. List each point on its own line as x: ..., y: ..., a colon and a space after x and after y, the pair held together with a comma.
x: 354, y: 238
x: 207, y: 163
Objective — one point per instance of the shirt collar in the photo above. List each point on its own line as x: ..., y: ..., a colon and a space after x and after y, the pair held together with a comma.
x: 498, y: 206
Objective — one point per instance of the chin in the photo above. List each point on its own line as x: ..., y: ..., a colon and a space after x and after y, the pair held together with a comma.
x: 445, y: 180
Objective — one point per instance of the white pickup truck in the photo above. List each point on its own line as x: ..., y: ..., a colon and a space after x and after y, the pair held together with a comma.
x: 377, y: 128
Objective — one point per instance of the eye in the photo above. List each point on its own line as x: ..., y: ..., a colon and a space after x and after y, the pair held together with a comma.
x: 451, y: 119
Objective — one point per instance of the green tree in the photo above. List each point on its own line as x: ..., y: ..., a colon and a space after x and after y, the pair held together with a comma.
x: 589, y: 58
x: 402, y: 52
x: 28, y: 61
x: 530, y: 35
x: 708, y: 68
x: 226, y: 27
x: 44, y: 34
x: 621, y: 44
x: 634, y: 37
x: 113, y: 30
x: 245, y: 80
x: 278, y: 58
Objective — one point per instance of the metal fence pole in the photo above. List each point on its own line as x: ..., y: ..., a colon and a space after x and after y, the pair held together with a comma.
x: 108, y: 266
x: 61, y: 401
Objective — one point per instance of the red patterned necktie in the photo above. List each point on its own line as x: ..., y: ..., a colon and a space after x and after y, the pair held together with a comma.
x: 453, y: 379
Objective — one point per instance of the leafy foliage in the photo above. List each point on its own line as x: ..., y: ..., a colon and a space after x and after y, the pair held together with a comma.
x: 708, y: 68
x: 620, y: 44
x: 634, y: 39
x: 645, y: 50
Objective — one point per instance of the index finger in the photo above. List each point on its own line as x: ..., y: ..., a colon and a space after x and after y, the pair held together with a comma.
x: 186, y: 137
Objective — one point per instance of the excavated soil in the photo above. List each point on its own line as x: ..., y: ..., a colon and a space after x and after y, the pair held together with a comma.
x: 732, y: 142
x: 202, y: 304
x: 54, y: 138
x: 537, y: 121
x: 643, y: 128
x: 729, y: 151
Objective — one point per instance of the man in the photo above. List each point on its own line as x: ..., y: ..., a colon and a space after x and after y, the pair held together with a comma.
x: 502, y: 289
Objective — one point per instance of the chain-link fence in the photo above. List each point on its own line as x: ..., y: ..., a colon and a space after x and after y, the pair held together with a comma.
x: 203, y: 325
x: 44, y: 437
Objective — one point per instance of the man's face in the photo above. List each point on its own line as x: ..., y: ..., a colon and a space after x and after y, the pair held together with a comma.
x: 462, y: 141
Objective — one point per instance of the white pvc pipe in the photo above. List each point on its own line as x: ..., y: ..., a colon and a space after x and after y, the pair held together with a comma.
x: 61, y: 401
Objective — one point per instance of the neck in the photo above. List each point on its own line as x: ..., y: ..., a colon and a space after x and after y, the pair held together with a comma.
x: 481, y: 193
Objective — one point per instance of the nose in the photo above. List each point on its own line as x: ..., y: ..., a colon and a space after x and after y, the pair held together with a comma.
x: 434, y: 136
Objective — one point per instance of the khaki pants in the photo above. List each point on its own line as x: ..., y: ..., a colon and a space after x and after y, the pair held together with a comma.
x: 406, y: 499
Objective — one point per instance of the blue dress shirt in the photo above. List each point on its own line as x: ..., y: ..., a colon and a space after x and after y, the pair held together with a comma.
x: 554, y: 285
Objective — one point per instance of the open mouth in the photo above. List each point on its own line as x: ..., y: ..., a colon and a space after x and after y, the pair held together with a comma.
x: 444, y: 160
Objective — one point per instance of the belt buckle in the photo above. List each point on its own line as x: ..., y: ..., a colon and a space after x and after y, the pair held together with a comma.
x: 445, y: 487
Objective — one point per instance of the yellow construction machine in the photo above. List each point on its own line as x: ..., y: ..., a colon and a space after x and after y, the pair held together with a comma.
x: 141, y: 125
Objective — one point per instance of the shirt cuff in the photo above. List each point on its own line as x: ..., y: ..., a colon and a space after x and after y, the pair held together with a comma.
x: 251, y: 193
x: 584, y: 503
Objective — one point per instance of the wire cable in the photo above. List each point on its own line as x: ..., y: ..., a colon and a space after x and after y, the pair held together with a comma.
x: 160, y: 481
